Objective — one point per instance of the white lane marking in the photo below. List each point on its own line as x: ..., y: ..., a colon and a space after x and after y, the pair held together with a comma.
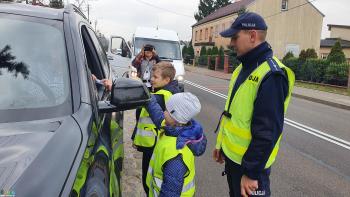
x: 318, y: 132
x: 317, y: 135
x: 206, y: 89
x: 307, y: 129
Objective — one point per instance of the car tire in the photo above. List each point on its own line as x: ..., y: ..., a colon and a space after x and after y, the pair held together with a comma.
x: 97, y: 184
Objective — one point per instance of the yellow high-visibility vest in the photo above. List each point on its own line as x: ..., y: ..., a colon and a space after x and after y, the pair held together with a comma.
x: 146, y: 133
x: 165, y: 150
x: 235, y: 133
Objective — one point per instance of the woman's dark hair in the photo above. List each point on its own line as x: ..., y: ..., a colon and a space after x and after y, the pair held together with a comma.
x: 148, y: 47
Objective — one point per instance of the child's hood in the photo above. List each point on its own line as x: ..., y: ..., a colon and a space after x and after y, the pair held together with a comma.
x: 191, y: 135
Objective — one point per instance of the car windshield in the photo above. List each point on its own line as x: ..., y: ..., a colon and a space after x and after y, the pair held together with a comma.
x: 33, y: 66
x: 165, y: 49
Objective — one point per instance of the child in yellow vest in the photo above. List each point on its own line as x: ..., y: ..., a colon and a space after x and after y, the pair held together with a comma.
x: 145, y: 133
x: 171, y: 170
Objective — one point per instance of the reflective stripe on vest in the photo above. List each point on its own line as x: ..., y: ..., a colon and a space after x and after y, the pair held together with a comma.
x: 166, y: 150
x: 235, y: 132
x: 146, y: 132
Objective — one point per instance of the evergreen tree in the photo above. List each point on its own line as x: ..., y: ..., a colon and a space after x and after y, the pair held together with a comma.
x: 221, y: 3
x: 184, y: 51
x: 205, y: 8
x: 336, y: 55
x: 221, y: 51
x: 215, y: 51
x: 302, y: 55
x: 7, y: 61
x: 209, y: 51
x: 242, y: 10
x: 311, y: 53
x: 203, y: 51
x: 56, y: 4
x: 190, y: 51
x: 287, y: 56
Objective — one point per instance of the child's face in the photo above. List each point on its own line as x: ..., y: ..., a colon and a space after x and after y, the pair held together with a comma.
x: 169, y: 121
x: 157, y: 80
x: 148, y: 54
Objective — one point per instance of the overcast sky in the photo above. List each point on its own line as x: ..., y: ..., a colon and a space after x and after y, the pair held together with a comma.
x: 121, y: 17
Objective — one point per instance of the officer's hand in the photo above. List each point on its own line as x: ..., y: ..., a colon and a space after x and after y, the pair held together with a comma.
x: 248, y: 186
x: 218, y: 157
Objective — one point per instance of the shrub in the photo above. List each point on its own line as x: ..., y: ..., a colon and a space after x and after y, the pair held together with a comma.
x: 337, y: 74
x: 336, y: 55
x: 307, y: 54
x: 294, y: 64
x: 203, y: 51
x: 203, y: 60
x: 215, y: 51
x: 221, y: 51
x: 209, y: 51
x: 313, y: 70
x: 190, y: 51
x: 288, y: 55
x: 311, y: 54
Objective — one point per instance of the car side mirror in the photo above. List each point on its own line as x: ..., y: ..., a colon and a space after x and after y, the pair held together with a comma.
x: 126, y: 94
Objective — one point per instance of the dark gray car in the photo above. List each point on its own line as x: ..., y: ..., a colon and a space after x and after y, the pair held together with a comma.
x: 60, y: 131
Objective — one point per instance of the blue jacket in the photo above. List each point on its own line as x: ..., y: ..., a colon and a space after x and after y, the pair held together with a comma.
x: 172, y: 87
x: 175, y: 169
x: 268, y: 114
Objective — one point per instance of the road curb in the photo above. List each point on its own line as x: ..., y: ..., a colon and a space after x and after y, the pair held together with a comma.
x: 316, y: 100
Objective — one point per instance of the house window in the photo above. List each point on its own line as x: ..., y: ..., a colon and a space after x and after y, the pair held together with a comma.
x: 211, y: 32
x: 284, y: 5
x: 223, y: 27
x: 196, y: 36
x: 200, y: 35
x: 216, y: 30
x: 206, y: 33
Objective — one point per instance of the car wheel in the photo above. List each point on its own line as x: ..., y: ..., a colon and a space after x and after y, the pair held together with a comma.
x: 97, y: 184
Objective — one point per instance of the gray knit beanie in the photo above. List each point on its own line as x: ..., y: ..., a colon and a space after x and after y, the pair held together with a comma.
x: 183, y: 107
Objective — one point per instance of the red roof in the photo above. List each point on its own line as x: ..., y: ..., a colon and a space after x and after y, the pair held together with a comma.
x: 224, y: 11
x: 234, y: 8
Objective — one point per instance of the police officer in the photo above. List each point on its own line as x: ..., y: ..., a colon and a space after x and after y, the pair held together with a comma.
x: 251, y: 125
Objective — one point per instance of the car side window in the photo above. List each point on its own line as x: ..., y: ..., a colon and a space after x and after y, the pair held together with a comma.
x: 101, y: 52
x: 93, y: 63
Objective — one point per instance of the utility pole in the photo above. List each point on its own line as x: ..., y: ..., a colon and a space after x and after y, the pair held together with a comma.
x: 88, y: 10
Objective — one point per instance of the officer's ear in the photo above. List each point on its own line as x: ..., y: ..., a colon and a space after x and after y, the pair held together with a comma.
x: 253, y: 35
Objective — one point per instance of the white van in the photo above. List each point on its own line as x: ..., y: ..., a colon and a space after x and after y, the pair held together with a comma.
x: 167, y: 45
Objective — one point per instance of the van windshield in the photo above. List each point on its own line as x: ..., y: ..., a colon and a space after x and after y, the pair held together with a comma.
x: 165, y: 49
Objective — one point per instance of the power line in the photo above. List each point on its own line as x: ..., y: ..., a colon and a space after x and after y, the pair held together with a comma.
x: 164, y: 9
x: 308, y: 2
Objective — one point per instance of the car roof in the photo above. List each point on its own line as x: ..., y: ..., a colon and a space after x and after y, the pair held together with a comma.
x: 31, y: 10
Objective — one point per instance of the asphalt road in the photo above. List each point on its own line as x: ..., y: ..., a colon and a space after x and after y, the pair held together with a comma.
x: 314, y: 158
